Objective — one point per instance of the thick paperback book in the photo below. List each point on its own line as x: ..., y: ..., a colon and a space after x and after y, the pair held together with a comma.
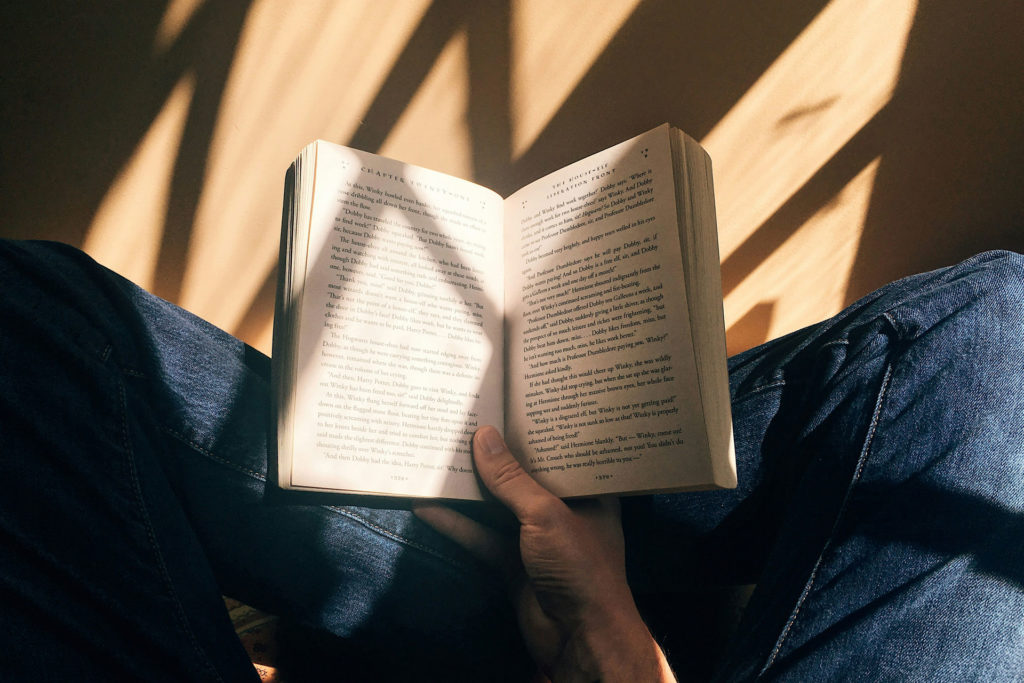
x: 582, y: 315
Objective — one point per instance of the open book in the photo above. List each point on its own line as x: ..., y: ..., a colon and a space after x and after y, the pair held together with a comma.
x: 582, y: 316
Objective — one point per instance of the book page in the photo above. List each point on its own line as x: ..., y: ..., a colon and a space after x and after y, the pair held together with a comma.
x: 399, y: 351
x: 602, y: 389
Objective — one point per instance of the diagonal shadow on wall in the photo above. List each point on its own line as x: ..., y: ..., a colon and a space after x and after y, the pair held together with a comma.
x: 82, y: 85
x: 668, y: 62
x: 950, y: 143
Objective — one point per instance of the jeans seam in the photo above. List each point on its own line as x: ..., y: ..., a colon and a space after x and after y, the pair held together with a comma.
x: 179, y: 610
x: 861, y: 462
x: 758, y: 390
x: 394, y: 536
x: 210, y: 455
x: 205, y: 452
x: 782, y: 381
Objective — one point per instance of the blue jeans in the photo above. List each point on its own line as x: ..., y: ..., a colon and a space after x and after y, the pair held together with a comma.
x: 880, y: 508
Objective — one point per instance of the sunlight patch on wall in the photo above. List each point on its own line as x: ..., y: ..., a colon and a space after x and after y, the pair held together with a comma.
x: 301, y: 71
x: 790, y: 277
x: 174, y: 21
x: 125, y: 234
x: 819, y: 92
x: 552, y: 50
x: 433, y: 130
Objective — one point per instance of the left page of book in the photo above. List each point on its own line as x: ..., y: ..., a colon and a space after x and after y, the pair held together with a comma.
x: 396, y: 348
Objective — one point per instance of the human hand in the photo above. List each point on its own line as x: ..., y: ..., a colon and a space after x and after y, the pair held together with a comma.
x: 575, y: 609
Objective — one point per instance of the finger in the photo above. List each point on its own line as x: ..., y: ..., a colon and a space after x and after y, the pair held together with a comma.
x: 507, y: 480
x: 483, y: 543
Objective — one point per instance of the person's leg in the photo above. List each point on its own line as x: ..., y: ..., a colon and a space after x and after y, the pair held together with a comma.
x: 919, y: 572
x: 185, y: 433
x: 134, y: 442
x: 96, y: 581
x: 881, y: 499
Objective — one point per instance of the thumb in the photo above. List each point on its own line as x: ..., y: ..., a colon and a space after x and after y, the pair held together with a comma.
x: 506, y: 479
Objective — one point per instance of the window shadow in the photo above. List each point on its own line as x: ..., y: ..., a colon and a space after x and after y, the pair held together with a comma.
x: 682, y: 63
x: 82, y: 85
x: 669, y: 61
x: 950, y: 143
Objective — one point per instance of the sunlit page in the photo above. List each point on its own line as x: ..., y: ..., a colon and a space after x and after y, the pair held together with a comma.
x: 602, y: 382
x: 399, y: 358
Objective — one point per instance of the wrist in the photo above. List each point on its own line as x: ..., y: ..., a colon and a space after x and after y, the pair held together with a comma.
x: 612, y: 645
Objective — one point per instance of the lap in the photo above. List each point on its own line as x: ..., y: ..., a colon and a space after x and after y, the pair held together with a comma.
x: 880, y: 488
x: 167, y: 418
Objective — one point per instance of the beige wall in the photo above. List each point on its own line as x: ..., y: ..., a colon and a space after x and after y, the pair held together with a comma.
x: 854, y: 141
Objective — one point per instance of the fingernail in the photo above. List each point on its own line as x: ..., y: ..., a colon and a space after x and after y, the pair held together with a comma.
x: 492, y: 441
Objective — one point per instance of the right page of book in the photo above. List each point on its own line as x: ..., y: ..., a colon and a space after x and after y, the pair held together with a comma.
x: 602, y: 388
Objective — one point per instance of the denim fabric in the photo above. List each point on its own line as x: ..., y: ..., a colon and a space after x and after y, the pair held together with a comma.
x: 880, y: 507
x: 133, y: 444
x: 881, y: 501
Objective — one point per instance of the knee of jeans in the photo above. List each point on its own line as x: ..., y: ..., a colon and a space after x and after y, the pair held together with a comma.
x: 1001, y: 299
x: 974, y: 309
x: 961, y: 369
x: 987, y: 328
x: 996, y: 271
